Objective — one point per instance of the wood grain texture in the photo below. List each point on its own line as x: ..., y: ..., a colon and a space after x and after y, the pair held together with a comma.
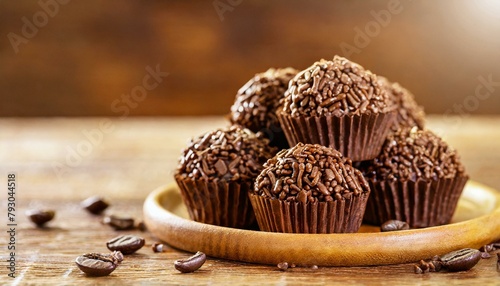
x: 165, y: 217
x: 90, y: 54
x: 137, y: 156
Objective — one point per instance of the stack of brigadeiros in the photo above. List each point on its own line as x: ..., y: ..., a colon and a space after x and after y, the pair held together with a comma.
x: 320, y: 151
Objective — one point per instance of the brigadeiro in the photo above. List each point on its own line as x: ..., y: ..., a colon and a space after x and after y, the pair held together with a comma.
x: 256, y: 103
x: 409, y: 113
x: 417, y: 178
x: 216, y: 172
x: 309, y: 188
x: 338, y: 104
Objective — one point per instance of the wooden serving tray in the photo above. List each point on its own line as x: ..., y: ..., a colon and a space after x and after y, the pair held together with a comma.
x: 476, y: 222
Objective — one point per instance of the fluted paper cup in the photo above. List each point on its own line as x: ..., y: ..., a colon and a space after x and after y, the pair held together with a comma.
x: 338, y: 216
x: 420, y: 203
x: 358, y: 137
x: 218, y: 202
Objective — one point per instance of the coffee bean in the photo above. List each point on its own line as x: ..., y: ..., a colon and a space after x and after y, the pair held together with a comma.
x: 283, y: 266
x: 126, y: 244
x: 157, y: 247
x: 191, y: 264
x: 119, y: 223
x: 40, y: 217
x: 460, y: 260
x: 94, y: 205
x: 99, y: 264
x: 392, y: 225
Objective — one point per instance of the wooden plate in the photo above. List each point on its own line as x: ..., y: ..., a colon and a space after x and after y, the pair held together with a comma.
x: 476, y: 223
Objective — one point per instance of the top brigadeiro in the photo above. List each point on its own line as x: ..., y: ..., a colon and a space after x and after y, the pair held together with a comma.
x: 338, y: 104
x: 256, y: 103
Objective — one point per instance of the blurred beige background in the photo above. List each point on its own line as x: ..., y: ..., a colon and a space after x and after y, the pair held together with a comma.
x: 111, y: 58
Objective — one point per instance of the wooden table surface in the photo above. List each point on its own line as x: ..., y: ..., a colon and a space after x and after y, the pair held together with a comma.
x: 61, y: 161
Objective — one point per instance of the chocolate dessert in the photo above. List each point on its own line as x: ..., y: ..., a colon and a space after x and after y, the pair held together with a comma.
x: 309, y: 189
x: 338, y: 104
x: 417, y: 178
x: 217, y: 170
x: 256, y: 103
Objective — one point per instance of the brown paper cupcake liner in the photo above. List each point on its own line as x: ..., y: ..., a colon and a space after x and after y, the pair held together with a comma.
x: 358, y: 137
x: 218, y: 202
x: 339, y: 216
x: 420, y: 204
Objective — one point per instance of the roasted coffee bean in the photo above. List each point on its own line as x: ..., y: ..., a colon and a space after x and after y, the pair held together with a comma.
x: 283, y: 266
x: 460, y: 260
x: 126, y: 244
x: 392, y: 225
x: 119, y: 223
x: 94, y: 205
x: 99, y: 264
x: 191, y: 264
x: 40, y: 217
x: 157, y: 247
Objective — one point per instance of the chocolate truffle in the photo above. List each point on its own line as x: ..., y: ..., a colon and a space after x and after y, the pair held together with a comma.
x: 338, y: 104
x: 217, y: 170
x: 417, y: 178
x: 256, y: 103
x: 309, y: 188
x: 409, y: 112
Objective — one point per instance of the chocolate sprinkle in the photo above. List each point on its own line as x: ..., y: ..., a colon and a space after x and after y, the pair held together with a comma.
x: 234, y: 153
x: 410, y: 114
x: 256, y: 102
x: 410, y: 154
x: 337, y: 88
x: 498, y: 262
x: 310, y: 173
x: 283, y: 266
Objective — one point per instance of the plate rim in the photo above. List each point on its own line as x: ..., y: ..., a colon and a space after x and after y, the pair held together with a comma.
x: 337, y: 249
